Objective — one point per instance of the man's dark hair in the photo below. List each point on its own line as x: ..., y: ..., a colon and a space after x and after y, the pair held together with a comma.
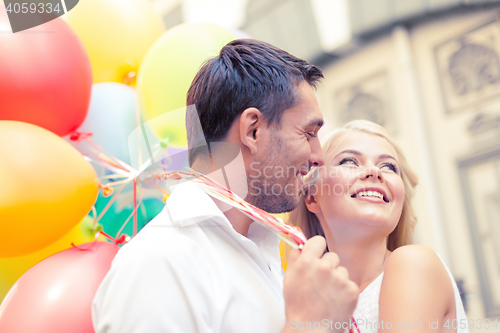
x: 247, y: 73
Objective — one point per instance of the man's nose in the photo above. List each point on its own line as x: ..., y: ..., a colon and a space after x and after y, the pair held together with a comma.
x: 317, y: 159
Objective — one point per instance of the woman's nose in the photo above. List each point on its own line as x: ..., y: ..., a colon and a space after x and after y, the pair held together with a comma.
x: 372, y: 171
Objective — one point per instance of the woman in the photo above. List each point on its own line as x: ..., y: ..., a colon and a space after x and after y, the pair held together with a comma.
x: 361, y: 202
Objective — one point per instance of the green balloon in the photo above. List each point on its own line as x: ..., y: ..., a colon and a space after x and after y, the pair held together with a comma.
x: 114, y: 218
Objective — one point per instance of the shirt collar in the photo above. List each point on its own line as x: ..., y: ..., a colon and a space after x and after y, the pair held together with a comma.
x: 188, y: 205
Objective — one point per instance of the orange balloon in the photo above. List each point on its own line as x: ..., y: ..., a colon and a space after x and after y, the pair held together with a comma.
x: 11, y: 269
x: 47, y: 187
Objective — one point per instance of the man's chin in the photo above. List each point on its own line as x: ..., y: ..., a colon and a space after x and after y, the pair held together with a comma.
x: 275, y: 205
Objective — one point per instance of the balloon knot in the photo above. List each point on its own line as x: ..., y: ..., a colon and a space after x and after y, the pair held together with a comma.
x: 97, y: 228
x: 107, y: 191
x: 172, y: 176
x: 123, y: 239
x: 78, y: 136
x: 129, y: 78
x: 164, y: 143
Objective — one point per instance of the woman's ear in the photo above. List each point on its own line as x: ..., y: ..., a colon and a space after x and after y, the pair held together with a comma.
x: 251, y: 121
x: 311, y: 203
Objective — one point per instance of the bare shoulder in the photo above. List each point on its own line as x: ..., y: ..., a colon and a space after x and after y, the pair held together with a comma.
x: 418, y: 270
x: 415, y: 286
x: 414, y: 257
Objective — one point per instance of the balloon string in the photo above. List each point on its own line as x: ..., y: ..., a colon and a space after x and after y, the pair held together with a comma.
x: 80, y: 137
x: 145, y: 134
x: 94, y: 216
x: 121, y: 182
x: 160, y: 189
x: 138, y: 124
x: 113, y: 176
x: 110, y: 202
x: 106, y: 165
x: 123, y: 165
x: 131, y: 214
x: 219, y: 192
x: 104, y: 158
x: 135, y: 208
x: 118, y: 241
x: 96, y: 237
x: 354, y: 325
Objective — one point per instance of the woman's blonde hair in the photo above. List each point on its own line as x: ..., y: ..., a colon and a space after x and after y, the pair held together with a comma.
x: 403, y: 233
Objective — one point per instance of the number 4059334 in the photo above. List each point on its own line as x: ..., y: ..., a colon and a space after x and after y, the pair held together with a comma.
x: 471, y: 323
x: 32, y: 8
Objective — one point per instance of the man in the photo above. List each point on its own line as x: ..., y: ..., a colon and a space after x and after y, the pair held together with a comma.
x: 201, y: 267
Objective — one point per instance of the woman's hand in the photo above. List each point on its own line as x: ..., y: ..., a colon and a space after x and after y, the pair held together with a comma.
x: 317, y: 290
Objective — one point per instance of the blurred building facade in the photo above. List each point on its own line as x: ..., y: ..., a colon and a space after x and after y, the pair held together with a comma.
x: 429, y: 72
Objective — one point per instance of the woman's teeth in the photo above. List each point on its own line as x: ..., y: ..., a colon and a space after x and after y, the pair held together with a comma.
x: 369, y: 194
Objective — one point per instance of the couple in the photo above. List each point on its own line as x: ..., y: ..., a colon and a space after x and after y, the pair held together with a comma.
x: 198, y: 267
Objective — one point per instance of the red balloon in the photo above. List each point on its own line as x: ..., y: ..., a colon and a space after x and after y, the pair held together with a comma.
x: 56, y: 294
x: 45, y: 76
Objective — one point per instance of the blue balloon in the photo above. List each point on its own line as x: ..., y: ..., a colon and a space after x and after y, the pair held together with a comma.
x: 111, y: 118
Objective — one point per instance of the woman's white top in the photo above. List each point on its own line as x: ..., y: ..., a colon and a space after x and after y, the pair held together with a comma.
x: 366, y: 313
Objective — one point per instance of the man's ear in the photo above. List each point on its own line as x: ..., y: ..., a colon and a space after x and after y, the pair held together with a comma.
x: 311, y: 203
x: 251, y: 122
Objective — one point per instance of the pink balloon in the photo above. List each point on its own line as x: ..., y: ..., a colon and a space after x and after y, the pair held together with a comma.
x: 56, y: 294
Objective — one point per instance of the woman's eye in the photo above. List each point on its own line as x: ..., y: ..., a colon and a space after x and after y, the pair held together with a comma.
x: 311, y: 135
x: 348, y: 160
x: 391, y: 167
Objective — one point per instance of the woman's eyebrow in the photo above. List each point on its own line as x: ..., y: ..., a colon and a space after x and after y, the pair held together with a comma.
x: 386, y: 156
x: 355, y: 152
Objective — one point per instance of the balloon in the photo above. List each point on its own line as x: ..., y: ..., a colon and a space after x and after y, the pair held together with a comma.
x: 111, y: 118
x: 56, y: 294
x: 168, y: 70
x: 45, y: 76
x: 47, y: 187
x: 116, y: 34
x: 121, y: 209
x: 11, y: 269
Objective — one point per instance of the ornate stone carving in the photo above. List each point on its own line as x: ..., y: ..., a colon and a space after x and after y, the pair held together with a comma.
x: 484, y: 122
x: 364, y: 106
x: 473, y: 67
x: 469, y: 67
x: 366, y: 99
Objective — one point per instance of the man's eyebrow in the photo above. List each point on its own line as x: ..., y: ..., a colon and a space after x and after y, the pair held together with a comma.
x: 315, y: 122
x: 355, y: 152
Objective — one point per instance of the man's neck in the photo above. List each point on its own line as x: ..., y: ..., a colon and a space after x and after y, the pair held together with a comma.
x: 239, y: 221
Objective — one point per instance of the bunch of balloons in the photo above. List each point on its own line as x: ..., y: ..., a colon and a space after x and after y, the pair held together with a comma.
x: 79, y: 95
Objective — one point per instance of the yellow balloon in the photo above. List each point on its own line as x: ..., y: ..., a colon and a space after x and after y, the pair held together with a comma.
x: 169, y: 68
x: 11, y: 269
x: 116, y: 34
x: 47, y: 187
x: 284, y: 247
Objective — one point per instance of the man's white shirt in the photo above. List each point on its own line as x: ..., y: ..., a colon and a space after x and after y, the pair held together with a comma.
x: 188, y: 270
